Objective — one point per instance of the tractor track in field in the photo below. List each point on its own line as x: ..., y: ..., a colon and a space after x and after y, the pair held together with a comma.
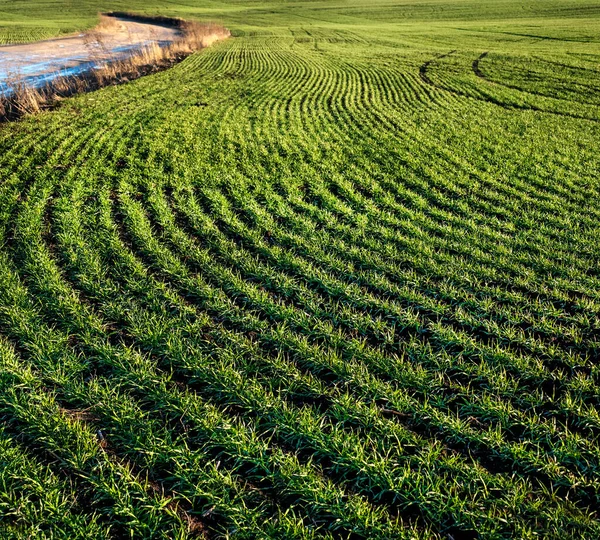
x: 423, y: 73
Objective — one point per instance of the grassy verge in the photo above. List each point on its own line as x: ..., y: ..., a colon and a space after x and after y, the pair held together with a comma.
x: 21, y: 98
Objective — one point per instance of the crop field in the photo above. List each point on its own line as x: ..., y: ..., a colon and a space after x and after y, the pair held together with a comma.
x: 335, y: 277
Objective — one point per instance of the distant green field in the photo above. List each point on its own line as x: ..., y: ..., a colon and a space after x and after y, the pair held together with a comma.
x: 336, y: 277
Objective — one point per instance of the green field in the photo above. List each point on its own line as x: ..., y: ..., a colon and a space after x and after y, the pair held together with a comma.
x: 335, y: 277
